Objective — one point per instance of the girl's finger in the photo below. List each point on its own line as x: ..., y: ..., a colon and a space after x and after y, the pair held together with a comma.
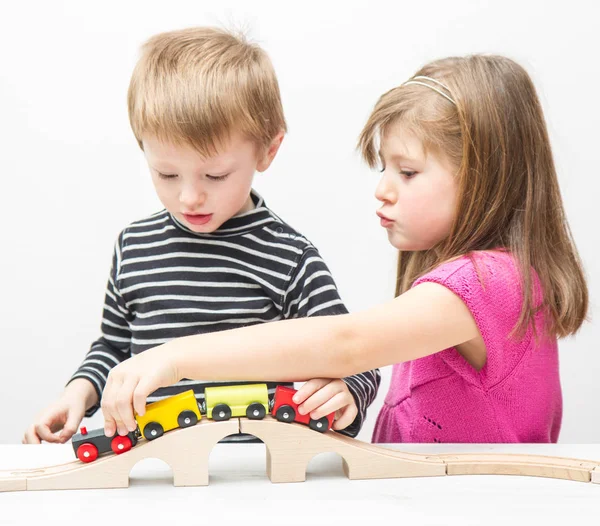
x: 124, y: 407
x: 108, y: 406
x: 140, y: 394
x: 110, y: 425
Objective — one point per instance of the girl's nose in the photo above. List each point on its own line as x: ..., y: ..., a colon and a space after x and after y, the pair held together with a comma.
x: 385, y: 191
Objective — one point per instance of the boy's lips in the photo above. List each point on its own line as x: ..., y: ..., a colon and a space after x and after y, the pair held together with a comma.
x: 198, y: 219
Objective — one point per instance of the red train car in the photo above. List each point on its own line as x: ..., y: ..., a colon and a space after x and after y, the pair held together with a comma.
x: 286, y: 410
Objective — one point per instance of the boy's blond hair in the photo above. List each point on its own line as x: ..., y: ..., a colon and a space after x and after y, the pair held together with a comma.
x: 197, y: 86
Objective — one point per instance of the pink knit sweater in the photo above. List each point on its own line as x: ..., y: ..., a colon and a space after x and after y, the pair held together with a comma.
x: 515, y: 397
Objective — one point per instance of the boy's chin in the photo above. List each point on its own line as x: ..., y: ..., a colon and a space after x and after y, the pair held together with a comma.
x: 209, y: 228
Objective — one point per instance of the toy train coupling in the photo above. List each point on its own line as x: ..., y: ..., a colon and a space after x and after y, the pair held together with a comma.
x: 202, y: 407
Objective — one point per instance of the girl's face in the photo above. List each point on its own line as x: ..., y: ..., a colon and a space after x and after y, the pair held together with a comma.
x: 417, y: 192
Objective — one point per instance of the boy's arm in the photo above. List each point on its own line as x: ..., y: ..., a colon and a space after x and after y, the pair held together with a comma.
x: 114, y: 345
x: 312, y: 292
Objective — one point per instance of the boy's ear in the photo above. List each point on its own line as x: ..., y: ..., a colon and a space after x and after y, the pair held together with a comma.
x: 265, y: 161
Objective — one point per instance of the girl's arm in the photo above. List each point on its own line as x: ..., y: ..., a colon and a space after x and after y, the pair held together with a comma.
x: 420, y: 322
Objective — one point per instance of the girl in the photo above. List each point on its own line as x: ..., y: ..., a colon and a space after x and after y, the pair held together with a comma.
x: 488, y: 276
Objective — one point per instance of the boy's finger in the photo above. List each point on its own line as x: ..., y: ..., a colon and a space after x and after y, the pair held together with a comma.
x: 31, y: 436
x: 309, y: 388
x: 346, y: 418
x: 70, y: 427
x: 44, y: 432
x: 318, y: 399
x: 330, y: 405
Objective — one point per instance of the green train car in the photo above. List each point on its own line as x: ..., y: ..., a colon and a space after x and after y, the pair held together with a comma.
x: 223, y: 403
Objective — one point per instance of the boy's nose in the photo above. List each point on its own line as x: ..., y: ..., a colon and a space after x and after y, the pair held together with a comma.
x: 192, y: 197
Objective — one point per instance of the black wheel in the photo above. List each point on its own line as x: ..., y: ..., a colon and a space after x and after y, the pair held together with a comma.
x: 221, y: 412
x: 256, y: 411
x: 320, y: 425
x: 187, y: 419
x: 285, y: 414
x: 153, y: 430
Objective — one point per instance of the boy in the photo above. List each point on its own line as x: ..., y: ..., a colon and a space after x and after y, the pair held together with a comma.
x: 205, y: 108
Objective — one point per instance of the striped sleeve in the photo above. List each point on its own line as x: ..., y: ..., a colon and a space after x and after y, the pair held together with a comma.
x: 312, y: 292
x: 113, y: 346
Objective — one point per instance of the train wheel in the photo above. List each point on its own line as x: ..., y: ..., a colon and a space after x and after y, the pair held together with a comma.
x: 153, y: 430
x: 285, y: 413
x: 87, y: 452
x: 256, y: 411
x: 320, y: 425
x: 120, y: 444
x: 221, y: 412
x: 187, y: 419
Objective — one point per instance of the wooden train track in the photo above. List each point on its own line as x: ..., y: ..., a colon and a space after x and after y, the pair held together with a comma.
x: 290, y: 447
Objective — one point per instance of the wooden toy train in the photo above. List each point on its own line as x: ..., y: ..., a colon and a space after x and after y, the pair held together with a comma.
x: 182, y: 410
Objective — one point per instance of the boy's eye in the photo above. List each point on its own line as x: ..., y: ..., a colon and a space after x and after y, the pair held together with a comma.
x: 167, y: 176
x: 217, y: 177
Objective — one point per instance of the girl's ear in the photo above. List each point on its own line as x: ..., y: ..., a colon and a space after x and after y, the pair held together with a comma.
x: 267, y: 158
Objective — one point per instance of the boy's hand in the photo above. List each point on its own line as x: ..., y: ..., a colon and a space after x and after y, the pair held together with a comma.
x: 130, y: 383
x: 65, y: 414
x: 322, y: 396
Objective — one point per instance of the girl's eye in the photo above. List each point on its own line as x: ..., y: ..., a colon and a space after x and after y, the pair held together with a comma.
x: 217, y: 177
x: 407, y: 173
x: 167, y: 176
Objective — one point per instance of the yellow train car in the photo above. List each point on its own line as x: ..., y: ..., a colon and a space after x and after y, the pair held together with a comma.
x: 223, y: 403
x: 176, y: 411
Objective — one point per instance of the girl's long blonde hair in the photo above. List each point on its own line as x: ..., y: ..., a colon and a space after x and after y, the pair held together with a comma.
x: 493, y: 131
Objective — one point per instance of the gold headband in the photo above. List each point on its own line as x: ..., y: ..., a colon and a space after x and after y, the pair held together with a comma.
x: 415, y: 81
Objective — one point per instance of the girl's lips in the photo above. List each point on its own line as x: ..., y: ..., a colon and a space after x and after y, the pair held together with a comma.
x: 385, y: 221
x: 198, y: 219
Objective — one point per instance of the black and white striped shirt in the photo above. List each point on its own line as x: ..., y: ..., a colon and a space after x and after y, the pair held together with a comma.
x: 167, y: 281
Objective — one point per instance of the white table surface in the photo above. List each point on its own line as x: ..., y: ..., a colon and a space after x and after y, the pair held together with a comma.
x: 239, y: 492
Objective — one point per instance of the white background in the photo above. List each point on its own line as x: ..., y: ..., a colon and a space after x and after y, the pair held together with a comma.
x: 73, y: 176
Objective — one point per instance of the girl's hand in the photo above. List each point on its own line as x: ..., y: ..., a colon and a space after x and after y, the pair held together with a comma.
x: 322, y: 396
x: 130, y: 383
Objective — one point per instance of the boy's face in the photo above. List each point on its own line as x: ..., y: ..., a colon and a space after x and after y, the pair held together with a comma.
x: 417, y: 192
x: 203, y: 193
